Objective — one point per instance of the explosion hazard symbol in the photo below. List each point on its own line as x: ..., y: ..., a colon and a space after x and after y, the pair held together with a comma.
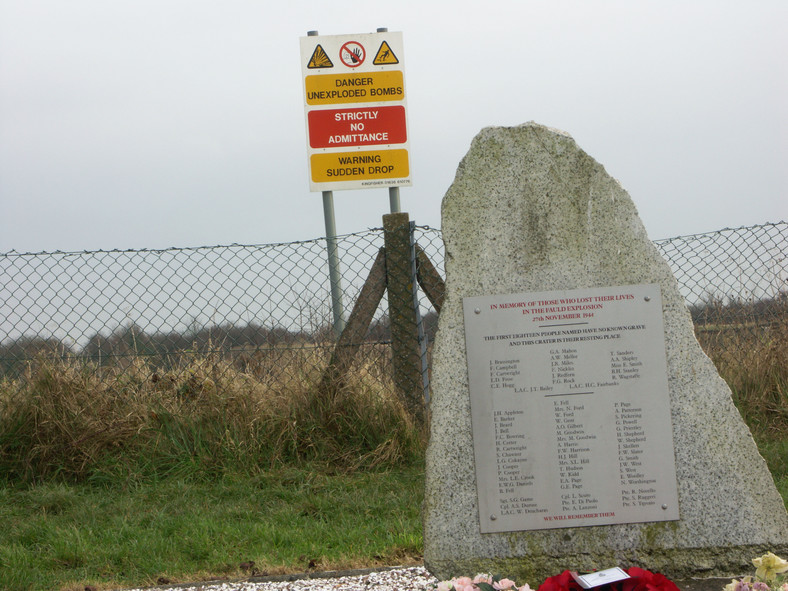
x: 319, y: 59
x: 385, y: 57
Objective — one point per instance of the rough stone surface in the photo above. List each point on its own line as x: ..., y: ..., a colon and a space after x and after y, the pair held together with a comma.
x: 530, y: 211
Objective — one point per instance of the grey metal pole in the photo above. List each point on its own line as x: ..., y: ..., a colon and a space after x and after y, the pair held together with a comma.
x: 394, y: 205
x: 394, y: 199
x: 334, y: 274
x: 425, y: 374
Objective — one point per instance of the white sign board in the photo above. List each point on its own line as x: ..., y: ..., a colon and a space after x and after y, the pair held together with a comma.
x: 356, y: 116
x: 570, y: 408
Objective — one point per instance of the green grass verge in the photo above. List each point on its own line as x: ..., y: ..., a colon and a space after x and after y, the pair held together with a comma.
x: 775, y: 452
x: 65, y: 536
x: 58, y: 536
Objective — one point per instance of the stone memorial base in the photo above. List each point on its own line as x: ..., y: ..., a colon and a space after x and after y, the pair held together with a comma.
x: 529, y: 212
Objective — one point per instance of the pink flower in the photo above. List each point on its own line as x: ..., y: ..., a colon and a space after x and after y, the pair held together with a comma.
x: 527, y: 587
x: 504, y: 584
x: 444, y: 586
x: 482, y: 578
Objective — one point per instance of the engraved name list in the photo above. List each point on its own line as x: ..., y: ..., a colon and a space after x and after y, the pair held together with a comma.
x: 570, y: 409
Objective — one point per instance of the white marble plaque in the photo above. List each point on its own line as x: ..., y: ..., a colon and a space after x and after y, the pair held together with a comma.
x: 570, y: 409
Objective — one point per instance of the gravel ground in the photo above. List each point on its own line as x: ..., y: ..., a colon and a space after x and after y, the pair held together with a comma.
x: 414, y: 578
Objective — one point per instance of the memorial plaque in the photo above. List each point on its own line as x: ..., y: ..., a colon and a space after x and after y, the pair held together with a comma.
x: 570, y: 409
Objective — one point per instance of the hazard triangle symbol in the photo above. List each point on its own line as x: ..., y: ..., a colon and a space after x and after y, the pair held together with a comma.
x: 385, y: 56
x: 319, y: 59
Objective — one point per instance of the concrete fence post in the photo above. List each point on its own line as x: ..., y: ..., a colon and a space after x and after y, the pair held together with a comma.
x: 408, y: 349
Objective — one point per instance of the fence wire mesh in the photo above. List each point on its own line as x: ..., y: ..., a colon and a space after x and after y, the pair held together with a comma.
x: 264, y: 311
x: 735, y: 283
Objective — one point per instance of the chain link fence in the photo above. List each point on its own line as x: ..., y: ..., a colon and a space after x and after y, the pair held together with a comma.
x: 184, y: 314
x: 264, y: 311
x: 735, y: 282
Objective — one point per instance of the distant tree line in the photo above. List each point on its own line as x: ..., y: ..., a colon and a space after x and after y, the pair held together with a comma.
x: 132, y: 341
x: 738, y: 310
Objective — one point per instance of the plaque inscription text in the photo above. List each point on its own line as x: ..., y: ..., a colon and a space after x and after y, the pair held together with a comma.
x: 570, y: 408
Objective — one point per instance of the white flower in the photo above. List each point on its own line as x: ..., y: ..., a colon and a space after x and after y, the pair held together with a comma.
x: 769, y: 566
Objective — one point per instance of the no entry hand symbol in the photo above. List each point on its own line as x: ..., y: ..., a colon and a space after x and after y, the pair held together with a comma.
x: 352, y: 54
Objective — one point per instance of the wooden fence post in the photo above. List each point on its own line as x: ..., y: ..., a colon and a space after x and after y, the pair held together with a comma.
x: 400, y: 267
x: 429, y: 279
x: 357, y: 326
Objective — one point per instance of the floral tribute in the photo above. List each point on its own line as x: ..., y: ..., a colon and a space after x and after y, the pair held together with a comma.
x: 770, y: 575
x: 481, y: 583
x: 639, y: 580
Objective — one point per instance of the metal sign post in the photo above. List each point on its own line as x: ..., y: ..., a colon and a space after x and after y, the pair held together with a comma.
x: 334, y: 274
x: 394, y: 199
x: 394, y: 206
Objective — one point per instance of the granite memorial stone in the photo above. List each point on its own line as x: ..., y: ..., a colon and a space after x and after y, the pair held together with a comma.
x: 575, y: 421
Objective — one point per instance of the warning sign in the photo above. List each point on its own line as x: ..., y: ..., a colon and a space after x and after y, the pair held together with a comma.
x: 352, y: 54
x: 363, y: 126
x: 356, y: 116
x: 319, y: 59
x: 385, y: 56
x: 354, y: 88
x: 378, y: 164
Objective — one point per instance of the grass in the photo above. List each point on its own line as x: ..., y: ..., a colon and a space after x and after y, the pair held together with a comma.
x: 775, y: 452
x: 124, y: 478
x: 66, y: 536
x: 69, y: 421
x: 755, y: 365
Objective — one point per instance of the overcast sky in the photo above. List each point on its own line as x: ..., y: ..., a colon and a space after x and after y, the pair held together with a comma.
x: 149, y: 124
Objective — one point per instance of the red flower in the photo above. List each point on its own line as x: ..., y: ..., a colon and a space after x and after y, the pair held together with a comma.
x: 562, y: 582
x: 640, y: 580
x: 643, y: 580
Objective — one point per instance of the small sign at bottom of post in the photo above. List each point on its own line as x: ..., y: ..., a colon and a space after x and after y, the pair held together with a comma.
x: 602, y: 577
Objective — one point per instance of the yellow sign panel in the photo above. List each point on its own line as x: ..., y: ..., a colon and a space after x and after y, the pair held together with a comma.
x: 355, y: 166
x: 362, y: 87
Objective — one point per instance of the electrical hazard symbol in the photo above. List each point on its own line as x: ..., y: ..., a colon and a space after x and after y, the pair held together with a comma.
x: 385, y: 57
x: 319, y: 59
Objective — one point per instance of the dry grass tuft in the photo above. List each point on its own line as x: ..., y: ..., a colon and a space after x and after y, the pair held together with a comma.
x: 206, y: 414
x: 70, y: 420
x: 755, y: 365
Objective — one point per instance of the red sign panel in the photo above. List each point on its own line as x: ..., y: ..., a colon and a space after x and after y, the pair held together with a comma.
x: 368, y: 126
